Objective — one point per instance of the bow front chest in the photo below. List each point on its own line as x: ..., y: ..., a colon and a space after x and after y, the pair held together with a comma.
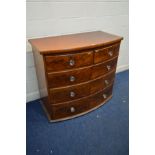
x: 75, y: 72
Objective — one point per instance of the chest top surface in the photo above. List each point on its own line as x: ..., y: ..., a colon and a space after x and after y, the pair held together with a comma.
x: 72, y: 42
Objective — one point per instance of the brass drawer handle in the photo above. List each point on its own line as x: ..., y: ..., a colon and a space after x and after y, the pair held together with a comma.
x: 71, y: 62
x: 106, y: 82
x: 72, y: 109
x: 72, y: 94
x: 108, y: 67
x: 110, y: 53
x: 72, y: 78
x: 104, y: 96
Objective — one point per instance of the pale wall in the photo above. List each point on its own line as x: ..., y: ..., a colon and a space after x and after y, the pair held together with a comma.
x: 50, y: 17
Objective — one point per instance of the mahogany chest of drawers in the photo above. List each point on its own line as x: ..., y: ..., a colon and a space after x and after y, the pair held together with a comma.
x: 75, y: 72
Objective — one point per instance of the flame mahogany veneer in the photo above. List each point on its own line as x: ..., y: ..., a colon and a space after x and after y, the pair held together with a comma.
x: 75, y: 72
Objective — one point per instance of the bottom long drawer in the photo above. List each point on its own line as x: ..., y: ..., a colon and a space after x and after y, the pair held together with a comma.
x: 78, y: 107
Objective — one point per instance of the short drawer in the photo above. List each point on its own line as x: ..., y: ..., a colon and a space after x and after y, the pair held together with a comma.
x: 103, y: 54
x: 82, y: 105
x: 69, y: 93
x: 69, y: 61
x: 67, y: 78
x: 103, y: 68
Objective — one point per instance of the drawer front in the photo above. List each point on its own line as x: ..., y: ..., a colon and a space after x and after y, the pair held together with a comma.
x: 63, y: 62
x: 102, y: 83
x: 69, y: 77
x: 101, y: 96
x: 70, y: 109
x: 69, y: 93
x: 104, y: 54
x: 103, y: 68
x: 82, y: 105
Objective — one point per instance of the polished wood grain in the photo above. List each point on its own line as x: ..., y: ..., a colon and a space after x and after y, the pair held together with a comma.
x: 81, y: 105
x: 69, y: 61
x: 75, y: 72
x: 103, y: 54
x: 102, y: 83
x: 103, y: 68
x: 76, y: 76
x: 69, y: 93
x: 73, y: 42
x: 71, y: 77
x: 64, y: 94
x: 100, y: 97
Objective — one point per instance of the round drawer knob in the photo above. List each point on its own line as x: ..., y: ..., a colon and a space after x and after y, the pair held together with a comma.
x: 104, y: 96
x: 106, y: 82
x: 72, y: 78
x: 110, y: 53
x: 108, y: 67
x: 71, y: 62
x: 72, y: 94
x: 72, y: 109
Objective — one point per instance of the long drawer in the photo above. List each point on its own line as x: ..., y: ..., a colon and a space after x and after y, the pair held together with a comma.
x: 76, y: 76
x: 82, y: 105
x: 70, y: 93
x: 67, y: 78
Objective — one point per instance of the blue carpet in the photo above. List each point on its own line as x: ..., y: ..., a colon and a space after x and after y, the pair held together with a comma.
x: 104, y: 131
